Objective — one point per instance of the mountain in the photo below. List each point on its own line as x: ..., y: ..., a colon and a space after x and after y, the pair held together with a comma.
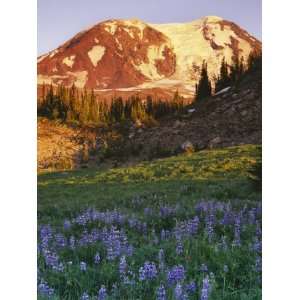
x: 131, y: 55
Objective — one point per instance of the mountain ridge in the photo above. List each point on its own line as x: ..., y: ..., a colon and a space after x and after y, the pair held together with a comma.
x: 135, y: 55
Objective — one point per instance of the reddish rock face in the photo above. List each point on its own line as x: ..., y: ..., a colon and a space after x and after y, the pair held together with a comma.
x: 112, y: 54
x: 133, y: 55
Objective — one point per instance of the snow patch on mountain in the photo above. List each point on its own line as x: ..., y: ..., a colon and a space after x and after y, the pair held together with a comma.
x: 111, y: 27
x: 149, y: 68
x: 136, y: 24
x: 45, y: 79
x: 69, y: 60
x: 96, y: 54
x: 193, y: 44
x: 81, y: 78
x: 129, y: 32
x: 119, y: 45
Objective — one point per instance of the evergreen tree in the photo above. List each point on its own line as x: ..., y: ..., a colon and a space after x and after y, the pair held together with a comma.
x: 204, y: 86
x: 224, y: 79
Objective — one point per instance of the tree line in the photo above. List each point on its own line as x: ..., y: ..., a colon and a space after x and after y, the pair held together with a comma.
x: 72, y: 105
x: 228, y: 75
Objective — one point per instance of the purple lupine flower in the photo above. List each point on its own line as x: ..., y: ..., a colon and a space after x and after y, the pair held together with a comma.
x: 191, y: 287
x: 203, y: 268
x: 258, y: 229
x: 209, y: 227
x: 51, y: 258
x: 84, y: 239
x: 117, y: 248
x: 110, y: 253
x: 257, y: 266
x: 194, y: 225
x: 45, y: 290
x: 97, y: 258
x: 124, y: 241
x: 59, y: 268
x: 123, y: 266
x: 161, y: 293
x: 85, y: 296
x: 163, y: 234
x: 129, y: 250
x: 148, y: 211
x: 252, y: 216
x: 176, y: 274
x: 205, y: 289
x: 45, y: 235
x: 227, y: 217
x: 67, y: 224
x: 132, y: 222
x: 178, y: 231
x: 144, y: 228
x: 82, y: 266
x: 161, y: 259
x: 223, y: 244
x: 72, y: 242
x: 102, y: 293
x: 148, y: 271
x: 60, y: 240
x: 179, y: 247
x: 256, y: 246
x: 178, y: 291
x: 237, y: 231
x: 165, y: 211
x: 95, y: 235
x: 128, y: 281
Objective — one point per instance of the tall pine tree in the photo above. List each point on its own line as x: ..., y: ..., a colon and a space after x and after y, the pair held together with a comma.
x: 224, y: 79
x: 204, y: 86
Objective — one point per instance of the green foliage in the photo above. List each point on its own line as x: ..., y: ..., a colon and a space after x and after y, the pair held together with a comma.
x: 224, y: 79
x: 230, y: 75
x: 218, y: 173
x: 203, y: 88
x: 256, y: 175
x: 84, y: 107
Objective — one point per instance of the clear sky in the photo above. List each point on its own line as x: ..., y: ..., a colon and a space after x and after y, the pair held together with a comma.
x: 59, y: 20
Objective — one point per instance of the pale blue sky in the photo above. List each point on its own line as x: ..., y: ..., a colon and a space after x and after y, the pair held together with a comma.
x: 59, y: 20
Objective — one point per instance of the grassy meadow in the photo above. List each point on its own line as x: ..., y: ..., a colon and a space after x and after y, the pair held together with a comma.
x: 184, y: 227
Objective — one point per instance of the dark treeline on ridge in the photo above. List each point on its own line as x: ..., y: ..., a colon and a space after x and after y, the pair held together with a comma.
x: 72, y: 105
x: 83, y: 107
x: 228, y: 75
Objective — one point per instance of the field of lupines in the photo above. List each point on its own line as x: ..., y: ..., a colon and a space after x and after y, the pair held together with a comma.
x: 151, y: 232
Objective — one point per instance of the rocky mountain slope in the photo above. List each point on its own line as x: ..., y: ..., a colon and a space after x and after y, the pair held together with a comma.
x: 130, y: 55
x: 231, y: 117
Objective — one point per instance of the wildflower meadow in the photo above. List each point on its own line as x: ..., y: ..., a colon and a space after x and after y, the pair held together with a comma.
x: 192, y: 235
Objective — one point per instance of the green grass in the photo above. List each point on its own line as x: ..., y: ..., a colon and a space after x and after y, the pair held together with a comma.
x: 217, y: 175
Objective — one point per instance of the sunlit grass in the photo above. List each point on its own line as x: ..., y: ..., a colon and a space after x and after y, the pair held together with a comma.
x: 221, y: 174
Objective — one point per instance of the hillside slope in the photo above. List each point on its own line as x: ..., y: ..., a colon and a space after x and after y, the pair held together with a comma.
x: 214, y: 173
x: 232, y: 117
